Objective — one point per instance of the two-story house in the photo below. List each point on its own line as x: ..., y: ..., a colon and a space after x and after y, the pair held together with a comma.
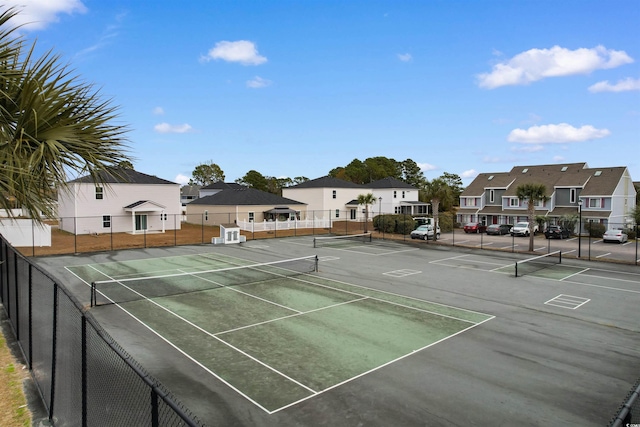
x: 602, y: 195
x: 125, y: 201
x: 338, y: 199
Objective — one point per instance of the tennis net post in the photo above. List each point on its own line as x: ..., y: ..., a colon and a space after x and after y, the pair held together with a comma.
x: 537, y: 263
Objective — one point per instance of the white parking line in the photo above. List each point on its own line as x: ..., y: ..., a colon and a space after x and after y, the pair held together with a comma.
x: 603, y: 255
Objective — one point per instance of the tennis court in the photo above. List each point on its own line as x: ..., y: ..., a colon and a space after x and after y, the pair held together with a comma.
x: 261, y: 327
x: 384, y: 333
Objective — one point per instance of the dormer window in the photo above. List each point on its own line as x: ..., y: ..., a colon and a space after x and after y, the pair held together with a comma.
x: 564, y: 168
x: 525, y: 170
x: 490, y: 178
x: 597, y: 173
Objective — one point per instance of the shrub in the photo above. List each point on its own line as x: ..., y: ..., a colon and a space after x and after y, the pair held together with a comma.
x: 404, y: 224
x: 446, y: 222
x: 595, y: 229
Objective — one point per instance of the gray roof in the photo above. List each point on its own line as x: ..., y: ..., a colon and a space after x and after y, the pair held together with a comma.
x: 123, y: 176
x: 244, y: 196
x: 390, y: 182
x: 219, y: 185
x: 593, y: 181
x: 189, y: 190
x: 328, y: 182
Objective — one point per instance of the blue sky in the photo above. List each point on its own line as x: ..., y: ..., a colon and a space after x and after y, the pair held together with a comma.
x: 297, y: 88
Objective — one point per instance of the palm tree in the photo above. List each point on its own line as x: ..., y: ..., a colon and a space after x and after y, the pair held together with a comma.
x: 532, y: 193
x: 438, y: 191
x: 51, y: 124
x: 366, y: 200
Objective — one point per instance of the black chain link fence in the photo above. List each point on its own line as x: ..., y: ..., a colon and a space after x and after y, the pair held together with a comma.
x: 629, y: 412
x: 83, y: 376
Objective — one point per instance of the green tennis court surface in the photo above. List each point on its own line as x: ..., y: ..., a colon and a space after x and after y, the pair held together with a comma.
x: 276, y: 339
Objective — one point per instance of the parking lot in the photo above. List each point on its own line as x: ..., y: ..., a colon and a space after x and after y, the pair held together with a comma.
x: 584, y: 247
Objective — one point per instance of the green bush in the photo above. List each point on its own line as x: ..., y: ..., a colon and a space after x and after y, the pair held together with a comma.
x: 404, y: 224
x: 631, y: 234
x: 445, y: 221
x: 385, y: 223
x: 595, y: 229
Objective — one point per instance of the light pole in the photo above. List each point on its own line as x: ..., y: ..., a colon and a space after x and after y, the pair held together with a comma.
x: 380, y: 222
x: 579, y: 226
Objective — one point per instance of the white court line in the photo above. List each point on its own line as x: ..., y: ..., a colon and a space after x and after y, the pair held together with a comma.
x: 382, y: 366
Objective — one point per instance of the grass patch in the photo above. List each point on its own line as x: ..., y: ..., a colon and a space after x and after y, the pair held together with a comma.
x: 13, y: 404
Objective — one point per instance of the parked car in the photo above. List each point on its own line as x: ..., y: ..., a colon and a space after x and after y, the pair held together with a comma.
x: 556, y: 232
x: 474, y: 227
x: 522, y: 229
x: 615, y: 236
x: 422, y: 221
x: 499, y: 229
x: 424, y: 232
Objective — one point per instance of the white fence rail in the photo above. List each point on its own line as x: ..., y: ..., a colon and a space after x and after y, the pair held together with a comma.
x: 283, y: 225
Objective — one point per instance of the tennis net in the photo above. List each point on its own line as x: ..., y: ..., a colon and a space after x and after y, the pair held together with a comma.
x: 536, y: 263
x: 341, y: 241
x: 129, y: 289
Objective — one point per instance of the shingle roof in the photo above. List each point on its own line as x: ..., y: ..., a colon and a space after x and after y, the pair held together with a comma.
x: 244, y: 196
x: 328, y: 182
x: 124, y: 176
x: 593, y: 181
x: 390, y: 182
x: 603, y: 183
x: 219, y: 185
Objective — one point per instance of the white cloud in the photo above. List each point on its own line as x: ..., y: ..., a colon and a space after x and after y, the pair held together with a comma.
x: 258, y: 82
x: 622, y: 86
x: 558, y: 159
x: 167, y: 128
x: 471, y: 173
x: 537, y: 64
x: 158, y: 111
x: 425, y: 167
x: 242, y: 51
x: 182, y: 179
x: 37, y: 14
x: 554, y: 134
x: 405, y: 57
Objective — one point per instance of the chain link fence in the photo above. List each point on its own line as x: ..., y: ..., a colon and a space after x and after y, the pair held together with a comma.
x: 83, y: 376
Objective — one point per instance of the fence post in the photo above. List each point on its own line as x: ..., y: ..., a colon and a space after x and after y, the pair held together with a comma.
x: 15, y: 275
x: 54, y: 343
x: 30, y: 317
x: 83, y: 350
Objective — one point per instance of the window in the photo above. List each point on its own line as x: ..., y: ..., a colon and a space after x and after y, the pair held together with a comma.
x: 539, y: 203
x: 334, y: 194
x: 564, y: 168
x: 106, y: 221
x: 252, y: 216
x: 403, y: 194
x: 514, y: 202
x: 491, y: 196
x: 99, y: 193
x: 395, y: 194
x: 163, y: 217
x: 337, y: 213
x: 596, y: 203
x: 490, y: 177
x: 572, y: 195
x: 206, y: 215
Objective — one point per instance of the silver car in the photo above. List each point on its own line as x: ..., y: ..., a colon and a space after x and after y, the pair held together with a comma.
x: 615, y: 236
x: 424, y: 232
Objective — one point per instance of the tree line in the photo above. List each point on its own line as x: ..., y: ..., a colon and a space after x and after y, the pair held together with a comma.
x: 443, y: 192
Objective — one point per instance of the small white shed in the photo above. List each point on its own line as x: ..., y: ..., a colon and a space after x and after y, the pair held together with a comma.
x: 229, y: 233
